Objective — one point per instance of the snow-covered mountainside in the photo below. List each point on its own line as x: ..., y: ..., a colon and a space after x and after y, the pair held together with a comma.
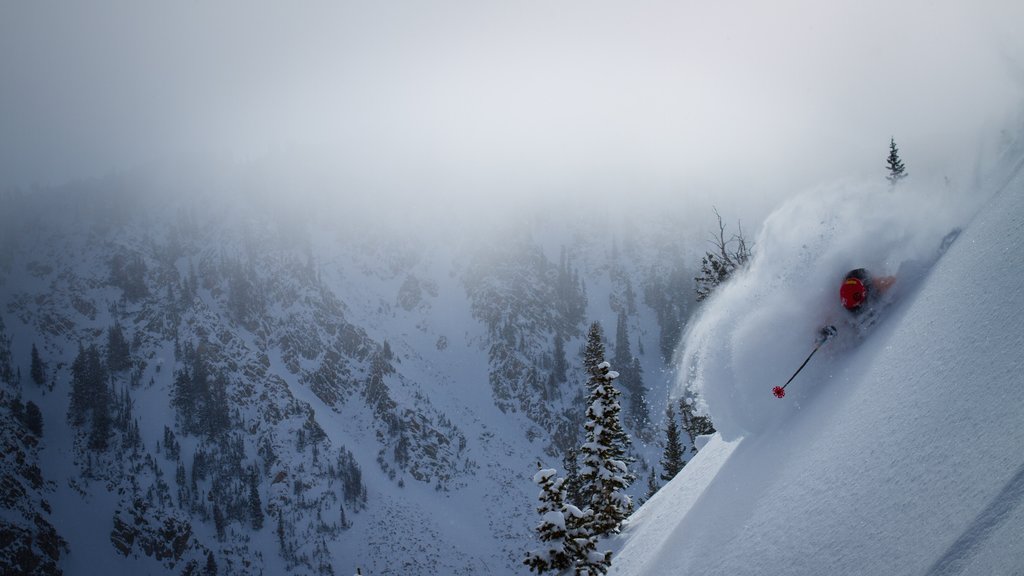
x: 196, y: 378
x: 897, y: 451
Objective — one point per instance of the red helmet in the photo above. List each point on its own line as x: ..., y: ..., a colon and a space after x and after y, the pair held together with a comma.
x: 853, y: 293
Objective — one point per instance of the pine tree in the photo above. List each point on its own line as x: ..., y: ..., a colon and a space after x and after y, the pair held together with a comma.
x: 118, y: 350
x: 218, y: 521
x: 6, y: 372
x: 255, y: 503
x: 552, y: 530
x: 605, y: 472
x: 99, y: 434
x: 652, y: 485
x: 211, y: 565
x: 631, y: 377
x: 897, y: 171
x: 593, y: 351
x: 216, y: 412
x: 281, y: 532
x: 90, y: 396
x: 17, y: 409
x: 639, y: 409
x: 38, y: 368
x: 86, y: 372
x: 672, y: 461
x: 184, y: 398
x: 33, y: 419
x: 575, y: 492
x: 559, y: 367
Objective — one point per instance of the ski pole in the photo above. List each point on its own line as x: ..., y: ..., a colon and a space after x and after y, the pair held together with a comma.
x: 826, y: 334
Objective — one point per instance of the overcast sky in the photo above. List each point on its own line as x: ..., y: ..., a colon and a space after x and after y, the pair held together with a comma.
x: 747, y: 98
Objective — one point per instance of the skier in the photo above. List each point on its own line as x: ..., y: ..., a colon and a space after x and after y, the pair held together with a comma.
x: 860, y: 290
x: 858, y: 293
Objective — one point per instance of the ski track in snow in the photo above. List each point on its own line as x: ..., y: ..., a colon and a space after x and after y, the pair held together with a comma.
x: 1006, y: 505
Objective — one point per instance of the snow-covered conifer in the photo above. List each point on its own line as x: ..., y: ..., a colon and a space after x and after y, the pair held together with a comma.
x: 574, y: 489
x: 552, y: 530
x: 593, y: 352
x: 605, y: 472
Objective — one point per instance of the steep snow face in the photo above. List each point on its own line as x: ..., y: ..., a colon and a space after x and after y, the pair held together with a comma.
x: 900, y: 455
x: 755, y: 331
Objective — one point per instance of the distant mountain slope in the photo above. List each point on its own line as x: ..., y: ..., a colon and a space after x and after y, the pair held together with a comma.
x: 230, y: 380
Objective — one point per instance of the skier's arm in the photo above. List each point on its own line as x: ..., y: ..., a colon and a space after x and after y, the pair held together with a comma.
x: 883, y: 283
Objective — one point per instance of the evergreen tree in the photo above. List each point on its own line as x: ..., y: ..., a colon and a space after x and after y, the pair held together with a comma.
x: 184, y: 398
x: 33, y: 419
x: 99, y: 434
x: 570, y: 295
x: 17, y: 409
x: 897, y: 171
x: 38, y: 368
x: 559, y: 367
x: 216, y: 417
x: 623, y: 355
x: 201, y: 397
x: 574, y: 489
x: 87, y: 376
x: 593, y: 351
x: 118, y: 350
x: 90, y: 396
x: 652, y: 485
x: 630, y: 375
x: 672, y: 461
x: 218, y: 521
x: 211, y: 565
x: 605, y: 472
x: 6, y: 372
x: 255, y: 503
x: 281, y: 532
x: 552, y: 530
x: 589, y: 562
x: 173, y: 450
x: 639, y: 409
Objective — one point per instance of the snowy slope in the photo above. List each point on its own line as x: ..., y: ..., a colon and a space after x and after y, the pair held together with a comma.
x: 897, y: 455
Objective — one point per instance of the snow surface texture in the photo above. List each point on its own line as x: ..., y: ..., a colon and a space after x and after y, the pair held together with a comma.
x: 899, y: 454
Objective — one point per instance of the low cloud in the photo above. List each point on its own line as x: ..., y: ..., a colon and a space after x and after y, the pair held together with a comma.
x: 737, y: 104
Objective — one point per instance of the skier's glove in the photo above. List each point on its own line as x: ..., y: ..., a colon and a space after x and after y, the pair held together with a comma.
x: 826, y: 333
